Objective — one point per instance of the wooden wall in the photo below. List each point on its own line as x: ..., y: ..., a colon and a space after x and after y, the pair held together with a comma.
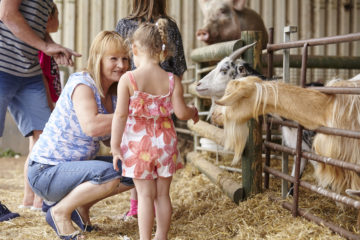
x: 81, y: 20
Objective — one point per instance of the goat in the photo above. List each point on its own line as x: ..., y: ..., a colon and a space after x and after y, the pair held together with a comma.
x: 250, y: 97
x: 231, y: 68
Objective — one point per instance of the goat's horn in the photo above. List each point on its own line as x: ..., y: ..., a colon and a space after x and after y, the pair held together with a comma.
x: 237, y: 53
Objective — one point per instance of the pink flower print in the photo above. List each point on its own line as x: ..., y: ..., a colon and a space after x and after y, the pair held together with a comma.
x: 140, y: 105
x: 171, y: 160
x: 144, y: 156
x: 140, y: 125
x: 165, y: 127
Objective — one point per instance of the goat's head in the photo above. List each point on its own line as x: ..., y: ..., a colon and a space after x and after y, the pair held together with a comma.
x: 229, y: 68
x: 241, y: 100
x: 241, y: 95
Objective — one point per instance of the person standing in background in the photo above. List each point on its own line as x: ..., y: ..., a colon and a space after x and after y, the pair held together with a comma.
x: 150, y: 11
x: 22, y: 92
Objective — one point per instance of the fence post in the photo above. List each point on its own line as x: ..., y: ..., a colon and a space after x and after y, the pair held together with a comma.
x: 251, y: 158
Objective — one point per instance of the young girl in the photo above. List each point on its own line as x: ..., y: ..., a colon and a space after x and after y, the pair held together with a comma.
x: 143, y: 134
x: 143, y: 11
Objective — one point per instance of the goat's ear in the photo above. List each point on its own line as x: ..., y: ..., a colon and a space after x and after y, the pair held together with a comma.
x: 235, y: 90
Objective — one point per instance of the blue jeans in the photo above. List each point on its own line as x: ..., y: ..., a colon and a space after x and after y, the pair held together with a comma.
x: 25, y: 98
x: 54, y: 182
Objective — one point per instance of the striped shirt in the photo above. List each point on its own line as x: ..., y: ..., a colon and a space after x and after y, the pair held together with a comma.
x: 16, y: 57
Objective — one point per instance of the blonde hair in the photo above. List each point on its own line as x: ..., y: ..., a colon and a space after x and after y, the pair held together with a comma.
x: 152, y: 39
x: 103, y: 41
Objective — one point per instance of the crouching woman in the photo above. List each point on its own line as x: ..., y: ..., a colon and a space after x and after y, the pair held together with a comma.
x: 62, y: 167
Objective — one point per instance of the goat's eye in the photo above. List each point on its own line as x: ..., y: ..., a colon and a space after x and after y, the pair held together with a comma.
x: 224, y: 70
x: 241, y: 69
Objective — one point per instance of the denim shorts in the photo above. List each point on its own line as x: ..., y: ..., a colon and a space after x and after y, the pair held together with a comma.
x: 25, y: 98
x: 54, y: 182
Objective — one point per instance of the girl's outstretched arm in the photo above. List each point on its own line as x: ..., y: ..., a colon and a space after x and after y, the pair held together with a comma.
x: 181, y: 110
x: 119, y: 120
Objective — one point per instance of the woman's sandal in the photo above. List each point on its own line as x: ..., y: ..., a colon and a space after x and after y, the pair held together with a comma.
x: 76, y: 218
x: 50, y: 220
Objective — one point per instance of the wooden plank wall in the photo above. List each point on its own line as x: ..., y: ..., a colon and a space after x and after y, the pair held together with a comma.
x: 81, y: 20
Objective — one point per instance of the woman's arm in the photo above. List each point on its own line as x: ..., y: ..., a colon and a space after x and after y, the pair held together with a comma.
x: 181, y: 110
x: 120, y: 118
x: 92, y: 123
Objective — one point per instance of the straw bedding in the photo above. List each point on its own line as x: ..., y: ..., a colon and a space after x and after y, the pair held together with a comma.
x: 200, y: 211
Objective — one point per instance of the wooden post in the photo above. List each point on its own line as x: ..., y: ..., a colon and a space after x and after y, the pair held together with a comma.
x: 344, y: 29
x: 356, y: 28
x: 109, y: 13
x: 69, y: 31
x: 83, y: 38
x: 319, y: 31
x: 251, y: 159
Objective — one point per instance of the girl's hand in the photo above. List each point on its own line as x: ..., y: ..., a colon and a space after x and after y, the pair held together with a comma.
x: 195, y: 118
x: 116, y: 159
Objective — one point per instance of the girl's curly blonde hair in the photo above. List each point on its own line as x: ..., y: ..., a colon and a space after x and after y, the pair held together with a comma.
x: 153, y: 39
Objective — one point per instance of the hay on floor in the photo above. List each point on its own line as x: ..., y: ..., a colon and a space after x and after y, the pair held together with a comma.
x: 200, y: 211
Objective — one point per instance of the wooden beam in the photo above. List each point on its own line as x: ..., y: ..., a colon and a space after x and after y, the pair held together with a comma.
x: 231, y: 188
x: 207, y: 130
x: 215, y: 52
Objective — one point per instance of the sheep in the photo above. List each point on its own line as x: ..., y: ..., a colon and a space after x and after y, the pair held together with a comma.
x: 250, y: 97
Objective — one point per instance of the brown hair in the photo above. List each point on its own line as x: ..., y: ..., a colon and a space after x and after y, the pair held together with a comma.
x: 104, y: 41
x: 148, y: 10
x: 152, y: 38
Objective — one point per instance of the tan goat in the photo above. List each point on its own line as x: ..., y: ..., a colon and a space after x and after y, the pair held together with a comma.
x: 250, y: 97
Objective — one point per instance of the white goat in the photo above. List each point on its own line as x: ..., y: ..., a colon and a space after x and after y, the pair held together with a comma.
x: 229, y: 68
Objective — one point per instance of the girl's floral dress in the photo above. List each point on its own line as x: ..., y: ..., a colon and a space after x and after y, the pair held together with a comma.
x: 149, y: 143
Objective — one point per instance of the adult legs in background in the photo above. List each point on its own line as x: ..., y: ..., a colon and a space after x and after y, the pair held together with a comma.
x: 30, y: 198
x: 25, y: 98
x: 163, y: 208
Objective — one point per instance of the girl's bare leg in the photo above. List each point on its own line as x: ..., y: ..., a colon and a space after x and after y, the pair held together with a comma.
x: 146, y: 190
x: 163, y: 208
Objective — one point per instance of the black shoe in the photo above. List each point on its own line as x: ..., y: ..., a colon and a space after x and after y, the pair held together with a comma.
x: 5, y: 213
